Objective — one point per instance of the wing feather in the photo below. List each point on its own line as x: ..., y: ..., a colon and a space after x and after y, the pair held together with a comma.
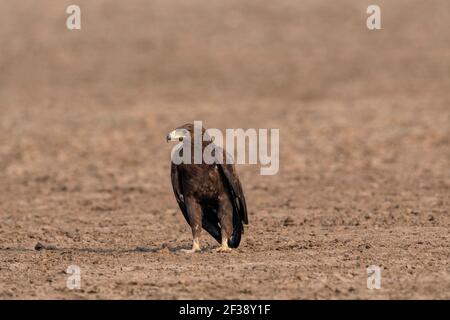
x: 178, y: 191
x: 209, y: 224
x: 228, y: 170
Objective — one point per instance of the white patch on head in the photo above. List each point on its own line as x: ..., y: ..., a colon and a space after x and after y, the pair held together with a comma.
x: 178, y: 134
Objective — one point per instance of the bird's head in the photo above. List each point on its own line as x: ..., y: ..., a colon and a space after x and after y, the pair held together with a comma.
x: 185, y: 131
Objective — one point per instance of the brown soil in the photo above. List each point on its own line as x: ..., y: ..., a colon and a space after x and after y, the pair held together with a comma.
x: 364, y: 120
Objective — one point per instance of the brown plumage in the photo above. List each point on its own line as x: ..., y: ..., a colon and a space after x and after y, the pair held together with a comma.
x: 210, y: 196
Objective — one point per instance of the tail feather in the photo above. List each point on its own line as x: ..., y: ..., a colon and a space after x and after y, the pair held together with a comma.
x: 238, y: 230
x: 213, y: 229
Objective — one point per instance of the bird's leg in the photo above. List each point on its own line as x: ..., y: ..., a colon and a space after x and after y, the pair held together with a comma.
x: 195, y: 218
x: 195, y: 246
x: 225, y: 214
x: 224, y: 246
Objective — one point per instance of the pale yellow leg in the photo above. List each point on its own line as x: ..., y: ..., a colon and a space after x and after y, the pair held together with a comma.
x: 195, y: 246
x: 224, y: 246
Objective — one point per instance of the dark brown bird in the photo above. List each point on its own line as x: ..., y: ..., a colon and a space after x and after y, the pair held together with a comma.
x: 210, y: 196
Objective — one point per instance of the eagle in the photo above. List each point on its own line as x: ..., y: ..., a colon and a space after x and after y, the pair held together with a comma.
x: 210, y: 196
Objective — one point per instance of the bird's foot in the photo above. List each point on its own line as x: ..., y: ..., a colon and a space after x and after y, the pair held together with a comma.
x: 224, y: 245
x: 195, y: 247
x: 193, y: 250
x: 223, y: 248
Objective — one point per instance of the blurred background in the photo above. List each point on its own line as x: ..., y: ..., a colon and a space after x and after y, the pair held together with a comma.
x: 364, y: 119
x: 228, y: 63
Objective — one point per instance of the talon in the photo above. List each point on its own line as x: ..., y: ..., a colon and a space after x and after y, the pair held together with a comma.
x: 224, y: 245
x: 195, y: 247
x: 223, y: 249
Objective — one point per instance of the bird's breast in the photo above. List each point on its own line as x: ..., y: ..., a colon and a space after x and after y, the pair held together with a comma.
x: 203, y: 181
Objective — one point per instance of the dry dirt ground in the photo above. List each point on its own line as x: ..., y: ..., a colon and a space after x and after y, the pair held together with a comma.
x: 364, y: 119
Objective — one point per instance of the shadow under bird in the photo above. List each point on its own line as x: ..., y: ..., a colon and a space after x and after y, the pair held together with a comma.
x: 210, y: 196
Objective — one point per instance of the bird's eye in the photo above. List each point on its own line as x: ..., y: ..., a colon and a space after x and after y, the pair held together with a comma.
x: 180, y: 139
